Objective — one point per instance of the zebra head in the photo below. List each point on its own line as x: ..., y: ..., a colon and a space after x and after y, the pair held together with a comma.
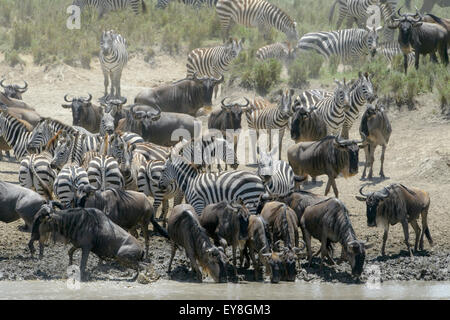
x: 285, y: 104
x: 168, y: 174
x: 265, y: 165
x: 62, y: 152
x: 365, y: 86
x: 116, y: 146
x: 342, y: 94
x: 234, y: 47
x: 291, y: 31
x: 106, y: 124
x: 40, y: 135
x: 372, y: 39
x: 107, y: 42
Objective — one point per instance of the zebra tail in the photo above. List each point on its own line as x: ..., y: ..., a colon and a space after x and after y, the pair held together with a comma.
x: 330, y: 17
x: 44, y: 186
x: 144, y: 7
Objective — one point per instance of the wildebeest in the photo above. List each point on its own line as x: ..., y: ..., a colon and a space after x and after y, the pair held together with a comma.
x: 14, y: 90
x: 185, y: 230
x: 329, y: 156
x: 307, y: 125
x: 183, y: 96
x: 13, y: 102
x: 156, y: 126
x: 18, y: 202
x: 84, y: 113
x: 422, y: 37
x: 376, y: 127
x: 226, y: 223
x: 283, y: 225
x: 128, y: 209
x: 397, y: 203
x: 300, y: 200
x: 429, y: 4
x: 258, y: 242
x: 91, y: 230
x: 228, y: 117
x: 328, y: 221
x: 30, y: 116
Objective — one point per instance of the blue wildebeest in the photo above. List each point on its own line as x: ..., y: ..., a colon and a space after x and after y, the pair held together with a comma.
x: 397, y: 203
x: 14, y: 90
x: 84, y: 113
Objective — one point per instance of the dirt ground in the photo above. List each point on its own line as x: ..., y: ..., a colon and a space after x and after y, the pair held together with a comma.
x: 418, y: 155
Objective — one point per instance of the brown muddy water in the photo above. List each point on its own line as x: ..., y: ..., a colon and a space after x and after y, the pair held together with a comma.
x: 166, y: 290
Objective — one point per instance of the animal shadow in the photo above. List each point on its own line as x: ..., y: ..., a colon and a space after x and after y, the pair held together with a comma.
x: 328, y: 272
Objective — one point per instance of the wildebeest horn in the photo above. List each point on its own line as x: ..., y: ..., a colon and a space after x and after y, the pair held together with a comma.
x: 89, y: 99
x: 1, y: 83
x: 223, y: 103
x: 65, y: 98
x: 362, y: 193
x: 158, y: 114
x: 399, y: 11
x: 245, y: 105
x: 220, y: 80
x: 24, y: 88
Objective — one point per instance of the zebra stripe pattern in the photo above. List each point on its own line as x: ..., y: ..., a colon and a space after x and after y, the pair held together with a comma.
x: 162, y: 4
x: 113, y: 58
x: 35, y: 165
x: 280, y: 51
x: 68, y: 151
x: 309, y: 98
x: 277, y: 175
x: 16, y: 134
x: 390, y: 50
x: 347, y: 44
x: 201, y: 189
x: 69, y: 179
x: 255, y: 13
x: 104, y: 6
x: 103, y: 172
x: 332, y: 109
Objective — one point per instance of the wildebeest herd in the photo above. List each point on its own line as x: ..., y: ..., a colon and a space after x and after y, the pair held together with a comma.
x: 99, y: 182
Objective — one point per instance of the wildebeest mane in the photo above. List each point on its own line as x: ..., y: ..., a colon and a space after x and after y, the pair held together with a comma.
x: 76, y: 223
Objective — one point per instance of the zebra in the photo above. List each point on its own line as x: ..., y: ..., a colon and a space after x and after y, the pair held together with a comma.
x: 278, y: 176
x: 162, y: 4
x: 390, y: 50
x: 129, y: 163
x: 361, y: 92
x: 213, y: 62
x: 67, y: 156
x: 255, y: 13
x: 104, y: 172
x: 16, y: 133
x: 113, y: 58
x: 118, y: 138
x: 347, y: 44
x: 35, y: 167
x: 280, y: 50
x: 262, y: 116
x: 148, y: 183
x: 201, y: 189
x: 104, y: 6
x: 309, y: 98
x: 332, y: 109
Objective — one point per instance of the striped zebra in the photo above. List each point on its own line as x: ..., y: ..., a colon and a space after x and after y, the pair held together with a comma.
x: 332, y: 109
x: 67, y: 156
x: 35, y: 167
x: 113, y: 58
x: 16, y: 133
x: 213, y: 62
x: 162, y: 4
x: 277, y: 175
x: 148, y: 183
x: 348, y: 44
x: 309, y: 98
x: 361, y: 92
x: 281, y: 51
x: 261, y: 115
x: 104, y: 172
x: 390, y: 50
x: 255, y: 13
x: 201, y: 189
x: 152, y: 151
x: 104, y: 6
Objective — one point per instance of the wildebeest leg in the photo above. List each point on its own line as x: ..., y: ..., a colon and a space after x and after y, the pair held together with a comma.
x: 433, y: 57
x: 307, y: 239
x: 416, y: 228
x: 144, y: 227
x: 383, y: 149
x: 372, y: 148
x: 385, y: 236
x: 84, y: 258
x: 425, y: 229
x: 406, y: 233
x: 327, y: 188
x: 366, y: 153
x: 172, y: 254
x: 70, y: 253
x: 405, y: 63
x: 195, y: 266
x: 416, y: 64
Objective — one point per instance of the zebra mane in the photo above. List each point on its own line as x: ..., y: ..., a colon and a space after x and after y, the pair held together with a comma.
x: 52, y: 141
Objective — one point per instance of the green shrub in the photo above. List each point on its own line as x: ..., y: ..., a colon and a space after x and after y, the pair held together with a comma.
x: 298, y: 72
x: 12, y: 58
x: 266, y: 74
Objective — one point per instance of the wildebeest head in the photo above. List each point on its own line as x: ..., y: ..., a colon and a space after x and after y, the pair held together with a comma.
x: 141, y: 114
x: 406, y: 24
x: 234, y: 47
x: 372, y: 39
x: 243, y: 214
x: 42, y: 223
x: 275, y: 265
x: 352, y: 148
x: 372, y: 200
x: 208, y: 85
x: 235, y: 110
x: 14, y: 90
x: 77, y: 105
x: 356, y: 254
x: 342, y: 94
x: 83, y: 192
x: 215, y: 262
x: 265, y: 165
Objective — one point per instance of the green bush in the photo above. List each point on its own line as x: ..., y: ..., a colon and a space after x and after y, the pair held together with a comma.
x: 266, y: 74
x: 298, y: 72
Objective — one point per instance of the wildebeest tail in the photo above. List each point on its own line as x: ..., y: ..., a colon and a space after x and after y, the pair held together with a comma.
x: 158, y: 228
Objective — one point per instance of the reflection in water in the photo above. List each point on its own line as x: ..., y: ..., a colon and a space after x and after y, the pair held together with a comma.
x: 164, y: 289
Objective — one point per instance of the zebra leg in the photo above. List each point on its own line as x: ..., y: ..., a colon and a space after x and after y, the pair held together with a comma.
x: 280, y: 143
x: 117, y: 84
x: 112, y: 89
x: 382, y: 161
x: 106, y: 82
